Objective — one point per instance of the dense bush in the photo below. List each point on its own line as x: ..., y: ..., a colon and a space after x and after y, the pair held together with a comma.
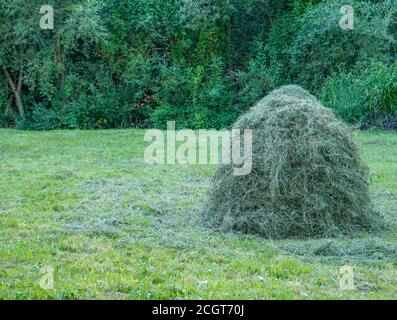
x: 194, y: 97
x: 360, y: 95
x: 257, y: 80
x: 321, y: 47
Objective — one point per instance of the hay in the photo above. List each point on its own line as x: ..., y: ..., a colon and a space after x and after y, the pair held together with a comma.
x: 291, y: 91
x: 307, y: 178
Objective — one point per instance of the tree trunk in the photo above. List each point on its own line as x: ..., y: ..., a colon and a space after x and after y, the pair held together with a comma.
x: 16, y: 90
x: 8, y: 106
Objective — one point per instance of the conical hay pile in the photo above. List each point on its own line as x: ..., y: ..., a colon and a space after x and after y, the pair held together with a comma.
x: 307, y: 179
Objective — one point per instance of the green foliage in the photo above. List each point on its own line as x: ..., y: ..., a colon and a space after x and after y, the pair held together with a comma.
x: 280, y: 37
x: 254, y: 82
x: 194, y: 97
x: 357, y: 96
x: 2, y: 99
x: 321, y: 47
x: 200, y: 63
x: 302, y: 5
x: 6, y: 119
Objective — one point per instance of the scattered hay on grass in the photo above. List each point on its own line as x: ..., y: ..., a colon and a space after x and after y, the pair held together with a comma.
x: 361, y: 250
x: 307, y: 178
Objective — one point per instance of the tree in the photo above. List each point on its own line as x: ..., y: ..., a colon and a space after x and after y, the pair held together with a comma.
x: 35, y: 62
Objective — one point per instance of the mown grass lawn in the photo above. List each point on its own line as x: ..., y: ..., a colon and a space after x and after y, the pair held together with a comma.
x: 112, y: 227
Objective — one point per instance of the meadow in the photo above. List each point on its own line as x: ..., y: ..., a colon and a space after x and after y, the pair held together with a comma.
x: 112, y: 227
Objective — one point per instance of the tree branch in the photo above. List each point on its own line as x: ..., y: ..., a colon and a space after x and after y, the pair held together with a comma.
x: 18, y: 99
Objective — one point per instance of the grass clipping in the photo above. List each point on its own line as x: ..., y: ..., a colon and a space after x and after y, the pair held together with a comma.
x: 307, y: 178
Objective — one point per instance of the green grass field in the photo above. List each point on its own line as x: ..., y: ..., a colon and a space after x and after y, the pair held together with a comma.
x: 112, y: 227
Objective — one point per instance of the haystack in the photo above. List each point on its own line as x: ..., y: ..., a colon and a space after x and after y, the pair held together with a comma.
x: 307, y: 178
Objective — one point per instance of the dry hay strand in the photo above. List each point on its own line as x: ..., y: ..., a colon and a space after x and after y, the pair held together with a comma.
x: 307, y: 178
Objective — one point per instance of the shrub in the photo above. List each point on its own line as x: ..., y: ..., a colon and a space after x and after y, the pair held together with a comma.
x: 357, y: 96
x: 253, y: 83
x: 307, y: 177
x: 320, y: 47
x: 6, y: 119
x: 42, y: 118
x: 281, y: 35
x: 99, y: 111
x: 195, y: 97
